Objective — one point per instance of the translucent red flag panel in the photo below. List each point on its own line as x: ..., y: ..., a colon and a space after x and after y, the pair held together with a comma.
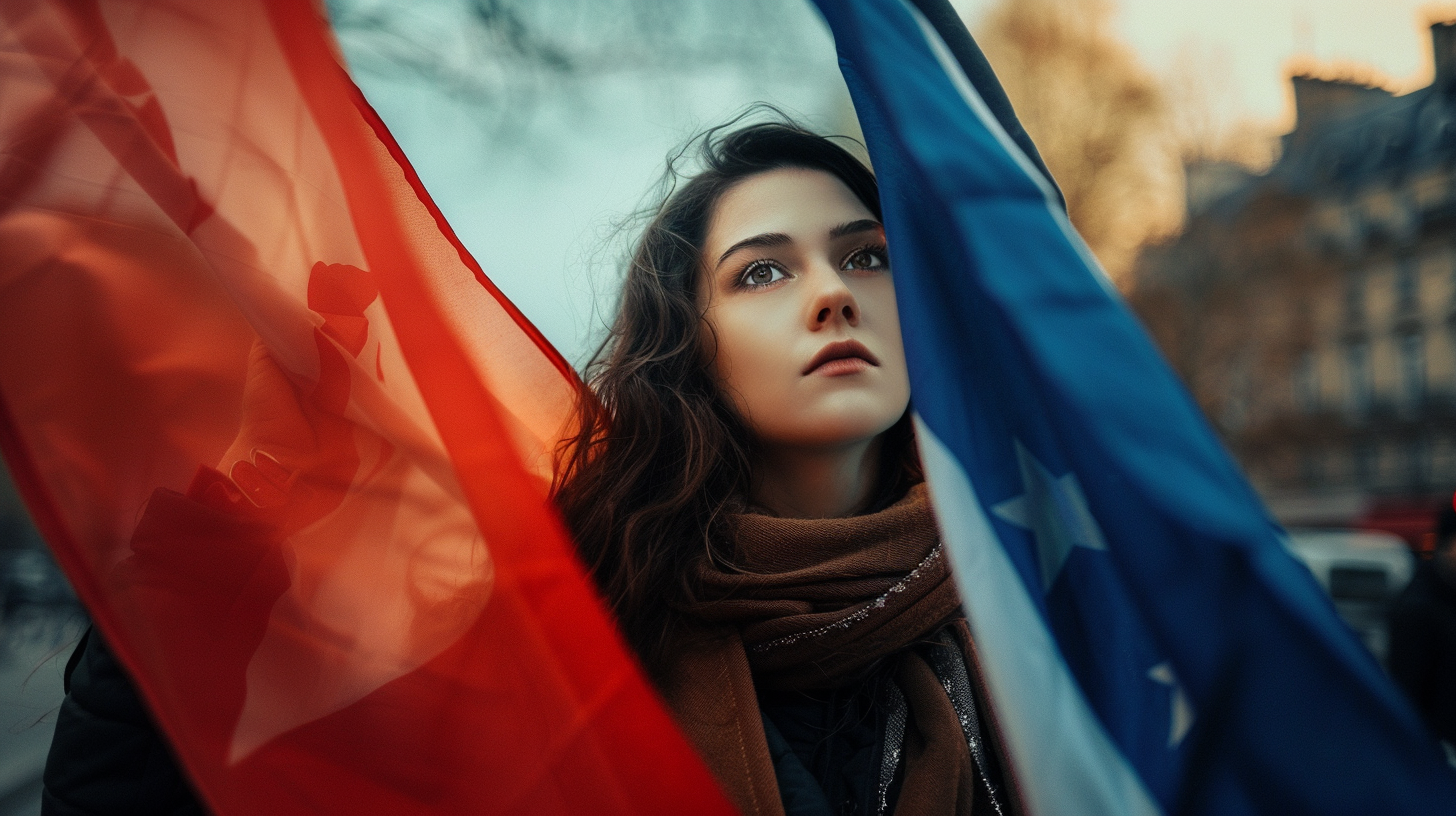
x: 288, y: 440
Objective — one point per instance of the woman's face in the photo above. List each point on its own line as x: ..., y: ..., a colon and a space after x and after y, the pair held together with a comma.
x: 797, y: 292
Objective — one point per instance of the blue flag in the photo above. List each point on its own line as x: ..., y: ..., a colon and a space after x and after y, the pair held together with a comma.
x: 1149, y: 644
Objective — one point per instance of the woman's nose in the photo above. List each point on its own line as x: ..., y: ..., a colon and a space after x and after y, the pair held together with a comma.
x: 833, y: 303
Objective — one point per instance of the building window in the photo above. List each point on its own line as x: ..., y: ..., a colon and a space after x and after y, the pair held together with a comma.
x: 1364, y: 456
x: 1407, y: 285
x: 1306, y: 383
x: 1389, y: 456
x: 1443, y: 460
x: 1235, y: 412
x: 1311, y: 465
x: 1355, y: 296
x: 1412, y: 370
x: 1431, y: 189
x: 1418, y: 463
x: 1450, y: 254
x: 1446, y: 379
x: 1354, y: 227
x: 1357, y: 369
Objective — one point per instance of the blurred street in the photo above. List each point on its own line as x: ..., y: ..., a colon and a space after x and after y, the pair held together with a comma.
x: 35, y: 640
x: 40, y: 622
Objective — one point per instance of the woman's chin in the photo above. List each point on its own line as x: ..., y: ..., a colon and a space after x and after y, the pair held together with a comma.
x: 831, y: 430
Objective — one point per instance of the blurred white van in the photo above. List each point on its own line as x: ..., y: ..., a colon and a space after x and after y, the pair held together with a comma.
x: 1362, y: 571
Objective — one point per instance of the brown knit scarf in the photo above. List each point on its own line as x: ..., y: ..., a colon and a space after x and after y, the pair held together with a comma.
x: 814, y: 603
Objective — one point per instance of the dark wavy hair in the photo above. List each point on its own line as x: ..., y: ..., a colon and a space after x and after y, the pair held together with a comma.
x: 661, y: 452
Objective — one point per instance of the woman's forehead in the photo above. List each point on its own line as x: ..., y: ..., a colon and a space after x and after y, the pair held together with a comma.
x: 800, y: 203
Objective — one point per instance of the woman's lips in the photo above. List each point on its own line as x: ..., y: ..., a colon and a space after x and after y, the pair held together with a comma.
x: 841, y: 367
x: 840, y: 358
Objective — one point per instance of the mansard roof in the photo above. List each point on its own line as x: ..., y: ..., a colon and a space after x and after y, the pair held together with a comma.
x: 1385, y: 138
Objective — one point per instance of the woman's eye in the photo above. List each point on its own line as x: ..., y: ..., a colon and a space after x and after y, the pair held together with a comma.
x: 868, y: 258
x: 761, y: 274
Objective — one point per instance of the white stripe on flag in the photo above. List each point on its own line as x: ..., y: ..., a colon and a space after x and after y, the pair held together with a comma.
x: 1066, y: 763
x: 978, y: 106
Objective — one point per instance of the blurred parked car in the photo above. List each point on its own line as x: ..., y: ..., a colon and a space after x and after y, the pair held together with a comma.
x: 1362, y: 571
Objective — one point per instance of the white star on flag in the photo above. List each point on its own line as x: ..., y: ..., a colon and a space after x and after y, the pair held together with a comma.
x: 1182, y: 715
x: 1055, y: 510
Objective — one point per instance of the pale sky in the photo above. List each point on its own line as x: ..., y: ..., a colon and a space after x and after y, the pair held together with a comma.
x: 1254, y: 39
x: 536, y: 210
x: 1246, y: 44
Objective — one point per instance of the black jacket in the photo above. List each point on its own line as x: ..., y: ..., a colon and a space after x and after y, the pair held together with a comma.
x: 827, y: 747
x: 107, y: 756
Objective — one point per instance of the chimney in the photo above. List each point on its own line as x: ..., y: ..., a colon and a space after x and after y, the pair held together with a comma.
x: 1319, y: 101
x: 1443, y: 49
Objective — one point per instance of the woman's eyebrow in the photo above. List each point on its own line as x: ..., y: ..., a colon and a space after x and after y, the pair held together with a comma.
x: 852, y: 227
x: 777, y: 239
x: 768, y: 239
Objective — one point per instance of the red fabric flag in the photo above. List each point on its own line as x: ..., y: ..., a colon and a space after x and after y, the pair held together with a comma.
x: 288, y: 441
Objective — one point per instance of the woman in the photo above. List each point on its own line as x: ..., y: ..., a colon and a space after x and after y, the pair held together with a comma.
x: 747, y: 495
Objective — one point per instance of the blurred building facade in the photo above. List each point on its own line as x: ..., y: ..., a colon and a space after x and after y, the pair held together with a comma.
x: 1312, y: 309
